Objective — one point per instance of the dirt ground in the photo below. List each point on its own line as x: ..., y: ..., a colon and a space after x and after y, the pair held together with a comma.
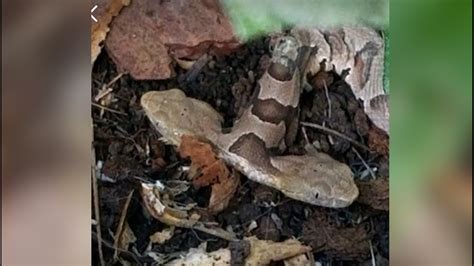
x: 122, y: 135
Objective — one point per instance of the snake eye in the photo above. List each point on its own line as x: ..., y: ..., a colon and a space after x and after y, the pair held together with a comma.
x: 317, y: 195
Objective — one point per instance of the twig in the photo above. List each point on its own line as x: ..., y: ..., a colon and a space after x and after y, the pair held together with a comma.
x: 335, y: 133
x: 110, y: 245
x: 106, y: 89
x: 372, y: 253
x: 364, y: 163
x: 306, y: 139
x: 326, y: 91
x: 102, y: 93
x: 119, y: 232
x: 200, y: 239
x: 328, y: 99
x: 95, y: 191
x: 218, y: 232
x: 114, y: 79
x: 108, y: 109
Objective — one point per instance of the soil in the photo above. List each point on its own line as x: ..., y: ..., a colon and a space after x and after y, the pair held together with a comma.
x: 130, y: 151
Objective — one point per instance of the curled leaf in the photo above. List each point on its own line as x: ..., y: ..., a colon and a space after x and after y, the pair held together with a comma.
x: 175, y: 217
x: 207, y: 169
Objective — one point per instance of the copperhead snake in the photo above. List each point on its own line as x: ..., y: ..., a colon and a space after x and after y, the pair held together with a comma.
x: 271, y: 121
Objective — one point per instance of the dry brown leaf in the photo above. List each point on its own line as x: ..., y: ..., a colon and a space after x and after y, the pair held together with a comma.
x: 161, y: 237
x: 261, y: 252
x: 126, y: 238
x: 223, y: 192
x: 206, y: 167
x: 378, y: 141
x: 152, y: 200
x: 374, y: 193
x: 213, y: 171
x: 173, y: 217
x: 149, y: 33
x: 105, y: 12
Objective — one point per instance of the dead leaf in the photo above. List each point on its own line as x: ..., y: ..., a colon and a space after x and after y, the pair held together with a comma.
x: 206, y: 168
x: 149, y: 33
x: 126, y: 238
x: 161, y: 237
x: 151, y: 196
x: 374, y: 193
x: 199, y: 257
x: 152, y: 199
x: 223, y: 192
x: 261, y: 252
x: 378, y: 141
x: 105, y: 12
x: 213, y: 171
x: 325, y: 236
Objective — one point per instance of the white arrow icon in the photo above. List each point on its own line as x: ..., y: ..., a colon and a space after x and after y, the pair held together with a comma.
x: 92, y: 10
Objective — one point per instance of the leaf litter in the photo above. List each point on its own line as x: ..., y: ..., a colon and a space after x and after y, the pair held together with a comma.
x: 276, y: 218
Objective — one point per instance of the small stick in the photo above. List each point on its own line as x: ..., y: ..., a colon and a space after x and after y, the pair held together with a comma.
x: 364, y: 163
x: 114, y: 79
x: 102, y: 94
x: 335, y: 133
x: 303, y: 129
x: 329, y: 109
x: 119, y: 232
x: 95, y: 191
x: 329, y: 99
x: 108, y: 109
x: 218, y: 232
x: 372, y: 253
x: 110, y: 245
x: 106, y: 88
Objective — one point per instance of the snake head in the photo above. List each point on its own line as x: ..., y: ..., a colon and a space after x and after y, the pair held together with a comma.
x: 316, y: 179
x: 174, y: 115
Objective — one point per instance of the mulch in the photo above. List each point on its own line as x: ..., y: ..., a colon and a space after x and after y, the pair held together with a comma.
x: 130, y: 150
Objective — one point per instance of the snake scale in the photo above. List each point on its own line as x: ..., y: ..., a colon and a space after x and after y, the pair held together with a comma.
x: 270, y: 122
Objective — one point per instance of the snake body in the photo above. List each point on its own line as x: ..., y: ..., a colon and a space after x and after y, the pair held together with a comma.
x: 269, y: 123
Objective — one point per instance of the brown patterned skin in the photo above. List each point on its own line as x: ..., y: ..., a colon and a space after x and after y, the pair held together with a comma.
x: 316, y: 179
